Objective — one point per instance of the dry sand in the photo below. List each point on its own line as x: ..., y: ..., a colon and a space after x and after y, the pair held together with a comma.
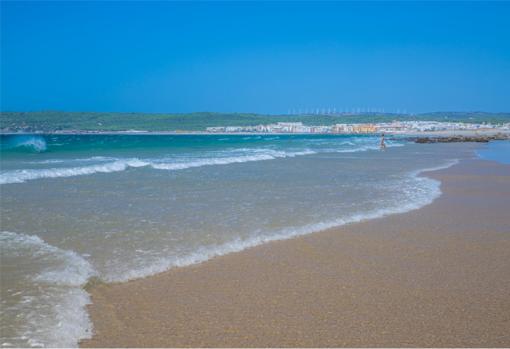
x: 438, y: 276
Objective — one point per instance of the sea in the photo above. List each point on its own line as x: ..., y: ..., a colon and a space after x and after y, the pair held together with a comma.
x: 76, y: 209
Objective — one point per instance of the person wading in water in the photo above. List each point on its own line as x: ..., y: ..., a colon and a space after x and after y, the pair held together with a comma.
x: 383, y: 145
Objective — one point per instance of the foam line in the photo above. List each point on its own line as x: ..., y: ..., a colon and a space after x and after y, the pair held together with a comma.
x: 51, y: 313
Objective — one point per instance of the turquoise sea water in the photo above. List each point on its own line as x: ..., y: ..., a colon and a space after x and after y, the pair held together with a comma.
x: 497, y: 151
x: 112, y: 207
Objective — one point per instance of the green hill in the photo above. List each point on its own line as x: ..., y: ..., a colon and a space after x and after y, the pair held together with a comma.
x: 51, y: 121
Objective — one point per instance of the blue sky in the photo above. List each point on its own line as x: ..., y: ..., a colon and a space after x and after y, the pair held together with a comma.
x: 255, y: 57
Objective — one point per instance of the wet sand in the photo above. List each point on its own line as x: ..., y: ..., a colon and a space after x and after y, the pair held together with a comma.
x: 438, y: 276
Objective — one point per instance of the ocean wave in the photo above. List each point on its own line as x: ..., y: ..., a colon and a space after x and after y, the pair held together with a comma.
x: 421, y: 191
x: 448, y: 164
x: 79, y: 160
x: 69, y: 271
x: 31, y: 143
x: 20, y: 176
x: 51, y: 312
x: 109, y: 164
x: 360, y: 146
x: 261, y: 156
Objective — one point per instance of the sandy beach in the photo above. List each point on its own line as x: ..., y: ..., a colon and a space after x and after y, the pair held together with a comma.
x: 438, y: 276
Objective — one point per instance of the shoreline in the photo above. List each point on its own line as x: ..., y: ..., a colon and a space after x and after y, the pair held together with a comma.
x: 205, y: 133
x: 122, y: 312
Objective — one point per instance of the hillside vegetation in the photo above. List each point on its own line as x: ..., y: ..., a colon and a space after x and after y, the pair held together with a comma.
x: 51, y: 121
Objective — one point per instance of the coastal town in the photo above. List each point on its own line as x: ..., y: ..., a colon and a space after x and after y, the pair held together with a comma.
x: 395, y: 127
x: 220, y: 123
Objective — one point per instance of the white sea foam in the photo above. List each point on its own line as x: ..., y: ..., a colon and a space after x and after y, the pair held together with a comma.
x: 31, y: 142
x: 360, y: 147
x: 448, y: 164
x: 422, y: 191
x: 109, y: 165
x: 69, y: 271
x: 20, y: 176
x: 258, y: 156
x: 50, y: 312
x: 79, y: 160
x: 230, y: 156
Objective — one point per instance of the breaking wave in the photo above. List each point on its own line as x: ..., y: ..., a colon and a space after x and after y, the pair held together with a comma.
x: 420, y: 191
x: 48, y: 301
x: 109, y: 164
x: 269, y: 155
x: 20, y: 176
x: 29, y: 143
x: 61, y: 296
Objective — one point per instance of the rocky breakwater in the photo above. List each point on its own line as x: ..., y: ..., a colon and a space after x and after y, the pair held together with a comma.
x: 459, y: 138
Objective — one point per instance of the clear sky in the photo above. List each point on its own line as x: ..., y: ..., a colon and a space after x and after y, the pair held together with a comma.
x: 255, y: 57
